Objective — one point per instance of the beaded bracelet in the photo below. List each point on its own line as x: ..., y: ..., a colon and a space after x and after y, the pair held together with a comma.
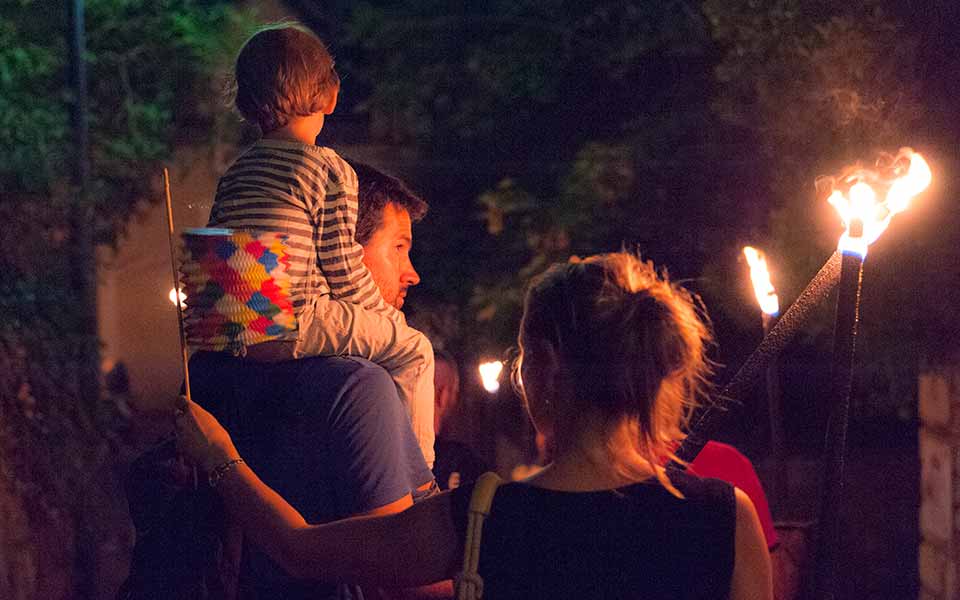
x: 218, y: 473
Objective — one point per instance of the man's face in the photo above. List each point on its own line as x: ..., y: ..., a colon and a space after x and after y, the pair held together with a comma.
x: 387, y: 255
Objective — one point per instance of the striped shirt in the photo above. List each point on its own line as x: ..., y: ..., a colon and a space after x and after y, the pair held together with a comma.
x: 309, y: 193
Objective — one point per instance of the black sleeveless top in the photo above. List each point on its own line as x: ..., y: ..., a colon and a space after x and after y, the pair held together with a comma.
x: 639, y: 541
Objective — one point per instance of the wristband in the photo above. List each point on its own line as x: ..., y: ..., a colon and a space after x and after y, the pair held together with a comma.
x: 218, y: 472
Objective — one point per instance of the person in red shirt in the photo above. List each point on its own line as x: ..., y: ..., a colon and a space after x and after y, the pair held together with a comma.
x: 722, y: 461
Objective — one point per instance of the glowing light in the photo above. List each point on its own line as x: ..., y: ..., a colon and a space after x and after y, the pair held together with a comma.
x: 760, y: 276
x: 865, y: 219
x: 173, y: 297
x: 490, y: 375
x: 917, y: 179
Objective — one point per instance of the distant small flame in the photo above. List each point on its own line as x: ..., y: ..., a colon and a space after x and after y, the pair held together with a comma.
x: 490, y: 375
x: 859, y: 205
x: 173, y: 297
x: 760, y: 276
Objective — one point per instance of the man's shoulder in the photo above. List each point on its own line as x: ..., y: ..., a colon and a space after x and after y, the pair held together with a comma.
x: 344, y: 375
x: 346, y: 364
x: 334, y: 364
x: 319, y: 376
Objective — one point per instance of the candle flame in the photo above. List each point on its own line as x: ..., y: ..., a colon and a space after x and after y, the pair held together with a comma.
x: 173, y: 297
x: 760, y: 276
x: 490, y: 375
x: 864, y: 218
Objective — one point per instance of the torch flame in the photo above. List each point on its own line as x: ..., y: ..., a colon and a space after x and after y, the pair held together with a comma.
x: 490, y: 375
x: 916, y: 180
x: 863, y: 217
x: 760, y: 276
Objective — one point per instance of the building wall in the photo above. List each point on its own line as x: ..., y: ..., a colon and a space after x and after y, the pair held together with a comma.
x: 138, y: 322
x: 939, y: 555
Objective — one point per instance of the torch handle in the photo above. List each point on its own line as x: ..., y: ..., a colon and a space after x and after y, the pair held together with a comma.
x: 710, y: 418
x: 841, y: 379
x: 778, y: 482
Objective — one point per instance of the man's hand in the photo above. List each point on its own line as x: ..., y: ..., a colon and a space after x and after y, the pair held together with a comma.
x: 200, y: 437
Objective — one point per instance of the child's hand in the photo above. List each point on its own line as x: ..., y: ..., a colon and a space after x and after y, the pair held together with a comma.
x: 201, y: 437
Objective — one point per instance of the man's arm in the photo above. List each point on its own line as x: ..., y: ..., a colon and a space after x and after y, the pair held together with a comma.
x: 414, y: 547
x: 398, y: 505
x: 330, y: 326
x: 442, y: 589
x: 376, y: 459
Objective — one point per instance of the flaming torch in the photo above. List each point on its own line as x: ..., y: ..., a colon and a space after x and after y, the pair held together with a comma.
x: 762, y: 288
x: 769, y: 309
x: 864, y: 219
x: 709, y: 419
x: 911, y: 179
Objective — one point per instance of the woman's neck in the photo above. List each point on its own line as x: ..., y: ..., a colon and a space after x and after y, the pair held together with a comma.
x: 586, y: 465
x: 576, y: 475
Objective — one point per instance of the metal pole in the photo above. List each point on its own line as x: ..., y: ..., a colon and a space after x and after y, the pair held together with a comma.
x: 83, y: 261
x: 827, y: 540
x: 775, y: 415
x: 78, y: 82
x: 83, y: 287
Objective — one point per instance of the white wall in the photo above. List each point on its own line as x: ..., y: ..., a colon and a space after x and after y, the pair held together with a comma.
x: 138, y: 323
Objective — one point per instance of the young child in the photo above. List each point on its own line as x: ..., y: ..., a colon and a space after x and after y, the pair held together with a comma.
x: 286, y: 84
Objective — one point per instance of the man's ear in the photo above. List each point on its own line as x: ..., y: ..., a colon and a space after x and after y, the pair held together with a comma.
x: 331, y: 102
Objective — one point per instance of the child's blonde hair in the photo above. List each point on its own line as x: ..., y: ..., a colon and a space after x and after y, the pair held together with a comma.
x: 632, y: 346
x: 283, y: 71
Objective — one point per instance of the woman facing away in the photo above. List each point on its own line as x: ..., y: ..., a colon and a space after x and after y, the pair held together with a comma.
x: 612, y: 359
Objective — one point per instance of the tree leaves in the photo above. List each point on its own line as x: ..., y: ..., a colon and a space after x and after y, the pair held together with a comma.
x: 153, y: 71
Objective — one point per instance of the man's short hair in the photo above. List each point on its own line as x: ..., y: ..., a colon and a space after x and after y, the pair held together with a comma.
x: 376, y: 189
x: 281, y: 72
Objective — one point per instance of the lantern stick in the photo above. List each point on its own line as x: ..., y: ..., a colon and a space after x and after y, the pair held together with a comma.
x: 746, y: 378
x: 176, y: 285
